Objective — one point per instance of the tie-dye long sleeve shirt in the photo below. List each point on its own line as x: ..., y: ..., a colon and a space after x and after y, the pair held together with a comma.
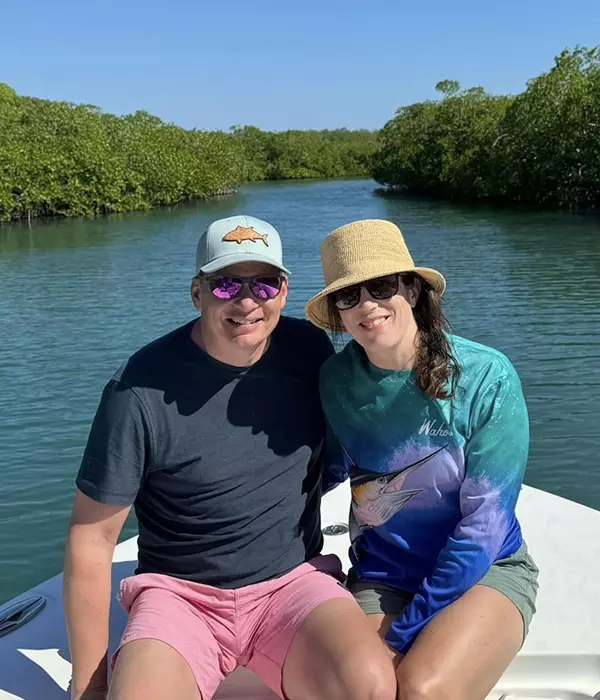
x: 434, y: 482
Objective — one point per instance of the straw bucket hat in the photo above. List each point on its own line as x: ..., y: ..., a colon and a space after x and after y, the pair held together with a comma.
x: 358, y: 252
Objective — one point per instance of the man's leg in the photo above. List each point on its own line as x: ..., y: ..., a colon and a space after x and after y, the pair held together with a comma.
x: 168, y: 650
x: 315, y: 643
x: 463, y: 651
x: 336, y: 655
x: 148, y: 669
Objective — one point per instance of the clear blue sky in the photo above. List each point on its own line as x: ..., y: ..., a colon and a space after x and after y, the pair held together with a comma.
x: 212, y: 63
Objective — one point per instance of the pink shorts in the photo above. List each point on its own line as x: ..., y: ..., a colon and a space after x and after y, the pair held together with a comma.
x: 216, y: 630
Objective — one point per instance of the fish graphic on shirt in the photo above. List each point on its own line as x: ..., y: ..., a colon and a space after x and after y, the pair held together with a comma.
x: 377, y: 497
x: 242, y: 233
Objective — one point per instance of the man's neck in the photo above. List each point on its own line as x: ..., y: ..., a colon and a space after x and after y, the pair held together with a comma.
x: 227, y: 353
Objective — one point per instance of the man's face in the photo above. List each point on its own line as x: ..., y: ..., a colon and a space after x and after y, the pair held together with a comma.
x: 247, y: 320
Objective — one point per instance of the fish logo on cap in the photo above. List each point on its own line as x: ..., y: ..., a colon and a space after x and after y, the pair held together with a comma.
x: 242, y: 233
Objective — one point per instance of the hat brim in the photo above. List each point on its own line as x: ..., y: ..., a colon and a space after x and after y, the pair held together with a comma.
x: 235, y: 258
x: 317, y: 310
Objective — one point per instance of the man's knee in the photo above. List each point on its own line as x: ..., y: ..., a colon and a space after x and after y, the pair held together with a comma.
x: 371, y: 678
x: 149, y: 669
x: 420, y: 684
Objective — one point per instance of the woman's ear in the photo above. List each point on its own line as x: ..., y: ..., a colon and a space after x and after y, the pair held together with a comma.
x: 414, y: 292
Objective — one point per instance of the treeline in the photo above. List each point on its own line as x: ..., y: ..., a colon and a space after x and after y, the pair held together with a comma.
x: 305, y: 154
x: 61, y: 159
x: 540, y: 147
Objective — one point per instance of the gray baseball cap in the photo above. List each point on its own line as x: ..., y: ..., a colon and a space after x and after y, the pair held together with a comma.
x: 238, y: 239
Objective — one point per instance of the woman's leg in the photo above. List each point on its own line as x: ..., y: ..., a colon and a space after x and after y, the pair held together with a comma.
x: 463, y: 651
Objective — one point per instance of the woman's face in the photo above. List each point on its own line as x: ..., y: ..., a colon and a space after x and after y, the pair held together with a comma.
x: 381, y: 311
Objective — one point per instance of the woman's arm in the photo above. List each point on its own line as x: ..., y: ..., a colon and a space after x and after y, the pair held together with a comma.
x: 495, y: 460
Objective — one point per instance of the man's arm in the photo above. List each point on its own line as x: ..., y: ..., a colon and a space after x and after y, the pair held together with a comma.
x: 336, y: 462
x: 93, y: 533
x: 109, y: 478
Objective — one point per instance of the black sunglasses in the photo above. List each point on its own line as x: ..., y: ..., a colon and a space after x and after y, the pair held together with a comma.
x: 379, y: 288
x: 227, y: 288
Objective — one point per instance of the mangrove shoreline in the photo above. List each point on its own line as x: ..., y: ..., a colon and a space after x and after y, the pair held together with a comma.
x: 540, y: 148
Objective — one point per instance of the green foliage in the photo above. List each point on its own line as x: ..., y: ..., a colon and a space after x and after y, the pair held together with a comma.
x: 553, y: 135
x: 61, y: 159
x: 305, y: 154
x: 448, y: 87
x: 442, y: 148
x: 541, y: 147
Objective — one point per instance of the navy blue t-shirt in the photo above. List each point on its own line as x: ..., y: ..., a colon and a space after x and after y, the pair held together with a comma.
x: 223, y: 464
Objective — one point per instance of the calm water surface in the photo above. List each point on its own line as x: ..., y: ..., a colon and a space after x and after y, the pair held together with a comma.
x: 77, y: 297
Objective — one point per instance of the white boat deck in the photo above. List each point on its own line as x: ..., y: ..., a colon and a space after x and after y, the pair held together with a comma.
x: 560, y: 659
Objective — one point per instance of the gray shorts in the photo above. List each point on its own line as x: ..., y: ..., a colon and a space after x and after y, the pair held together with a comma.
x: 516, y: 577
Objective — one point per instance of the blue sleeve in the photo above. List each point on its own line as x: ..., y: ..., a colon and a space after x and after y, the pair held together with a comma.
x: 495, y: 458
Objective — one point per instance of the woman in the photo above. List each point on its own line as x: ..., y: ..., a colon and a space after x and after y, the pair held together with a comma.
x: 435, y: 432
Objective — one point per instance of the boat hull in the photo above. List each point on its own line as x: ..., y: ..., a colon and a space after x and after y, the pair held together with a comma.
x: 560, y: 659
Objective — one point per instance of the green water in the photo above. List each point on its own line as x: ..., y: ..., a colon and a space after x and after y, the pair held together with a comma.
x: 77, y: 297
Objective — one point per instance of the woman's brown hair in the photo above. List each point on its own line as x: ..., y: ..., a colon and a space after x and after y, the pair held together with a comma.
x: 436, y: 367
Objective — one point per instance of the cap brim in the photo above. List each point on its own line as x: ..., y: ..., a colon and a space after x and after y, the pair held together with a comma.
x: 235, y: 258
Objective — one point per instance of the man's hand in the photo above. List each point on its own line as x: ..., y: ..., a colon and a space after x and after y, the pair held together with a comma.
x: 90, y: 694
x: 395, y: 657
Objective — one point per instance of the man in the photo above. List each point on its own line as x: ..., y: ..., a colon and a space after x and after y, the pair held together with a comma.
x: 215, y: 434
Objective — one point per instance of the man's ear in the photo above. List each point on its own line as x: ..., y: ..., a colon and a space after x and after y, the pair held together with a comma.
x: 196, y: 294
x: 284, y: 292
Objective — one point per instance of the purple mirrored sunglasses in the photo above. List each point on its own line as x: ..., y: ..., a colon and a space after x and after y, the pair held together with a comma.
x: 262, y: 287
